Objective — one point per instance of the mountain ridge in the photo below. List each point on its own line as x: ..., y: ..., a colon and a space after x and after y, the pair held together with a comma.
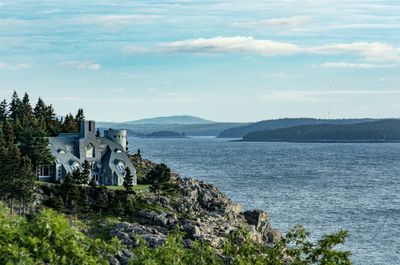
x: 174, y: 119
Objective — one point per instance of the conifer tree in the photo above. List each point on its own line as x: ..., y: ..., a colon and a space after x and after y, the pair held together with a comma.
x: 70, y: 125
x: 128, y: 180
x: 25, y: 112
x: 15, y: 106
x: 3, y: 111
x: 80, y: 116
x: 85, y: 174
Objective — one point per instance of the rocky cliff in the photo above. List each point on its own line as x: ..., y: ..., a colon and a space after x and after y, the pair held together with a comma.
x: 200, y: 210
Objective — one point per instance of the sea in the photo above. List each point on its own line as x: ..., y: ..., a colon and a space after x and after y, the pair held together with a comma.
x: 323, y: 186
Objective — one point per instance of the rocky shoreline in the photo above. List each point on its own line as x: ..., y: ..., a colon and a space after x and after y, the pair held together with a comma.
x: 199, y: 209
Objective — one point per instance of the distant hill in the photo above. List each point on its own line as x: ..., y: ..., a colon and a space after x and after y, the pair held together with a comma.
x: 376, y: 131
x: 240, y: 132
x: 209, y: 129
x: 179, y: 119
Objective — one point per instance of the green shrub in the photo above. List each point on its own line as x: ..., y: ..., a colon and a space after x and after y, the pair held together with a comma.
x: 48, y: 239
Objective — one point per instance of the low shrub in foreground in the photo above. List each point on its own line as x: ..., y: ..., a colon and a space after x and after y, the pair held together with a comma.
x: 47, y: 238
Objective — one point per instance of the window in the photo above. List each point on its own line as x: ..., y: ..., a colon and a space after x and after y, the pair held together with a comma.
x: 90, y: 151
x: 120, y: 166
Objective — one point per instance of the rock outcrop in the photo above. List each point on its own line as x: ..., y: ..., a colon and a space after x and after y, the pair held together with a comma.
x: 201, y: 211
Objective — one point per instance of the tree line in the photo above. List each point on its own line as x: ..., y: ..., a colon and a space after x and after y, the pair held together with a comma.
x: 24, y: 145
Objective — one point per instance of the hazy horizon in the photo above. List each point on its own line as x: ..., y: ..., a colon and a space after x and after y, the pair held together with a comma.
x: 224, y: 60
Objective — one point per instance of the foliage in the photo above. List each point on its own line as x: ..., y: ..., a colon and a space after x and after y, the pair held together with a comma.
x: 383, y: 130
x: 174, y: 252
x: 128, y: 180
x: 159, y: 178
x: 47, y: 238
x: 240, y: 249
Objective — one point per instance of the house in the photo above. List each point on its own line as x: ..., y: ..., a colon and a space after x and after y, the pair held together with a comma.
x: 107, y: 155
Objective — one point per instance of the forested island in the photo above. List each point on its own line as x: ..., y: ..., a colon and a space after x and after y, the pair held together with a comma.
x: 166, y: 219
x: 375, y: 131
x: 163, y: 134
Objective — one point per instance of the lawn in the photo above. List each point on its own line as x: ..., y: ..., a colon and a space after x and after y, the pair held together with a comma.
x: 135, y: 188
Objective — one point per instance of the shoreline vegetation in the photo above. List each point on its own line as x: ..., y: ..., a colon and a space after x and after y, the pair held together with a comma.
x: 165, y: 220
x: 382, y: 131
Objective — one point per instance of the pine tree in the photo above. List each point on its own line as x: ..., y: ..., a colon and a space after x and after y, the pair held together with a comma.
x: 25, y: 112
x: 69, y: 191
x: 80, y: 116
x: 159, y: 178
x: 34, y: 145
x: 70, y: 125
x: 15, y: 106
x: 3, y: 111
x: 128, y: 180
x: 85, y: 174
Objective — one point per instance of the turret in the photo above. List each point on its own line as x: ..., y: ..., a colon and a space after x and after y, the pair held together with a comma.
x: 117, y: 136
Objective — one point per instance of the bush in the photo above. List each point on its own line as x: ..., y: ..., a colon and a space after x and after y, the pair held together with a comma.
x: 48, y: 239
x: 240, y: 249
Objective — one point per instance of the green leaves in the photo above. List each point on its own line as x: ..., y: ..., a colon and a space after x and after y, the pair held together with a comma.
x: 48, y: 238
x: 240, y: 249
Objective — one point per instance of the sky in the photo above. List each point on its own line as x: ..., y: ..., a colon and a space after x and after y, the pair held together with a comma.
x: 227, y: 60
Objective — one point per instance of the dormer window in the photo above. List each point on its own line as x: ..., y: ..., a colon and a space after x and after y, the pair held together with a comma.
x: 61, y: 151
x: 120, y: 165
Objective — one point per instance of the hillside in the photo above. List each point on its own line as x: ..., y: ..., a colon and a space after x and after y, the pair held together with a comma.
x: 178, y: 119
x: 210, y: 129
x: 239, y: 132
x: 377, y: 131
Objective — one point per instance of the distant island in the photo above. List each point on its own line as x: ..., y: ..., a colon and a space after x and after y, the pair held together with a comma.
x: 164, y: 134
x: 241, y: 131
x: 376, y: 131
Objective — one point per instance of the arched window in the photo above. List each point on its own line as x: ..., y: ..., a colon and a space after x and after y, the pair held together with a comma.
x: 90, y: 151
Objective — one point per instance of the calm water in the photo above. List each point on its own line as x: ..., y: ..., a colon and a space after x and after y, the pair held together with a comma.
x: 325, y: 187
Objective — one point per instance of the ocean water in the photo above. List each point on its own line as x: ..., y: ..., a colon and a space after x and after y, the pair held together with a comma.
x: 324, y: 187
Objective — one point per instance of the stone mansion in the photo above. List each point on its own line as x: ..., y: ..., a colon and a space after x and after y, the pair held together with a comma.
x: 107, y: 155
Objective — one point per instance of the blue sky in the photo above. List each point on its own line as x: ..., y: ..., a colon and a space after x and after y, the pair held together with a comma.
x: 228, y: 60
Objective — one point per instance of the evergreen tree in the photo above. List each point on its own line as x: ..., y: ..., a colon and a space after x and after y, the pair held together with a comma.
x: 53, y: 124
x: 36, y: 147
x: 85, y: 174
x: 159, y: 178
x: 25, y: 112
x: 15, y: 106
x: 69, y: 191
x: 80, y: 116
x: 3, y: 111
x: 128, y: 180
x: 70, y: 125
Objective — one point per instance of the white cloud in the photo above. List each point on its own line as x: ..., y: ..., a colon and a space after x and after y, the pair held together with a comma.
x: 370, y: 51
x: 87, y: 65
x: 276, y: 22
x: 374, y: 51
x: 356, y: 65
x: 231, y: 45
x: 12, y: 67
